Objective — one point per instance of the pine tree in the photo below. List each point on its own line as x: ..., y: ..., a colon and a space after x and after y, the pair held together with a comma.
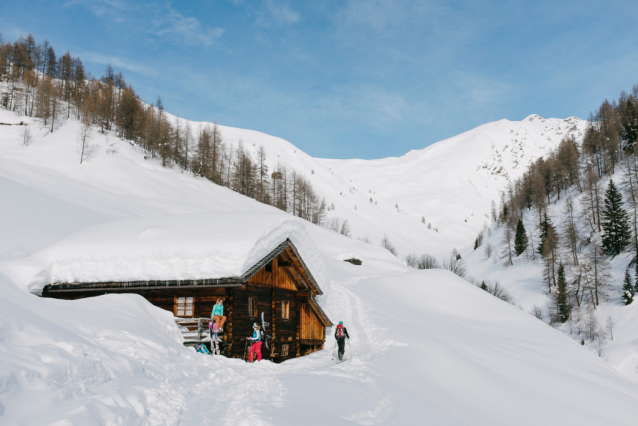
x: 563, y: 307
x: 615, y: 222
x: 520, y: 239
x: 548, y: 235
x: 628, y: 289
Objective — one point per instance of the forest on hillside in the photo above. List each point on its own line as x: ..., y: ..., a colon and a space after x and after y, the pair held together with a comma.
x: 35, y: 82
x: 595, y: 183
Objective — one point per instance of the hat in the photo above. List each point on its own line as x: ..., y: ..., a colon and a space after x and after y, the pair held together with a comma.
x: 255, y: 325
x: 340, y: 322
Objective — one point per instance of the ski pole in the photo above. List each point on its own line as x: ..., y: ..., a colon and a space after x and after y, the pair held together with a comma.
x: 245, y: 347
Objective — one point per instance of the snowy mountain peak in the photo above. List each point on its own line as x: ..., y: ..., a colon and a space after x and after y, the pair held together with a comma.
x: 452, y: 183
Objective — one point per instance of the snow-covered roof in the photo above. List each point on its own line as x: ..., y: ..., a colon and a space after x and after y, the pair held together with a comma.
x: 175, y: 247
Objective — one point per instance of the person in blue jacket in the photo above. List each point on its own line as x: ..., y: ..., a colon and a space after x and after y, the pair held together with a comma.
x: 218, y: 314
x: 255, y: 348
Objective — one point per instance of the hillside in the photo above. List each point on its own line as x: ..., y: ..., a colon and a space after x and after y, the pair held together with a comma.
x: 427, y: 346
x: 452, y: 183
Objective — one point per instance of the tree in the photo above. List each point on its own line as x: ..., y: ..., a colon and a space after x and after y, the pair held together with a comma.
x: 548, y: 249
x: 454, y: 264
x: 563, y: 306
x: 628, y: 289
x: 615, y: 222
x: 84, y: 136
x: 520, y: 239
x: 26, y: 135
x: 571, y: 235
x: 596, y: 276
x: 386, y: 244
x: 507, y: 239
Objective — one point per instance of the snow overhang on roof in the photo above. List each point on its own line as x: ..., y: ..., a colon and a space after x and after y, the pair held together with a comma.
x: 217, y: 247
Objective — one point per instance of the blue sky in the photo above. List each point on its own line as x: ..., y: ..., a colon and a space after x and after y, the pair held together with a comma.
x: 350, y: 78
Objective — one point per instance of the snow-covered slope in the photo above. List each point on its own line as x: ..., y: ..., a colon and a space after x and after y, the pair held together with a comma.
x: 426, y: 347
x: 453, y: 182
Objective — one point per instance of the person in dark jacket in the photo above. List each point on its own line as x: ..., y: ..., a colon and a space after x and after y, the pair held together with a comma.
x: 341, y: 333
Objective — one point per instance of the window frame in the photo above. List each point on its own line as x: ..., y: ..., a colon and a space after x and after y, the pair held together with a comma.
x: 181, y: 306
x: 285, y: 310
x: 253, y: 307
x: 285, y: 349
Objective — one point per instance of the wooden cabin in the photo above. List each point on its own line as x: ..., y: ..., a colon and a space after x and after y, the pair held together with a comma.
x: 280, y: 286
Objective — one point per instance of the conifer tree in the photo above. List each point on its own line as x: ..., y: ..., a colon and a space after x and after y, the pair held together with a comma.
x: 563, y: 307
x: 520, y: 239
x: 615, y: 222
x: 628, y: 289
x: 548, y: 232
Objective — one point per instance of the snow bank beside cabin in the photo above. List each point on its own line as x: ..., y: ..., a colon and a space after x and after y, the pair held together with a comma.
x: 193, y: 246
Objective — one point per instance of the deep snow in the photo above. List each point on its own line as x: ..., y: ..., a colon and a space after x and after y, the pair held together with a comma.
x: 172, y: 247
x: 427, y: 347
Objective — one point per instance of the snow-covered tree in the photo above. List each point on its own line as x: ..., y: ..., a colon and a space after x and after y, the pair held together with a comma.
x: 628, y: 290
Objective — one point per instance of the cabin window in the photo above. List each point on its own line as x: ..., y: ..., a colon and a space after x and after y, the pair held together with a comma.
x: 269, y: 267
x: 285, y: 309
x: 184, y: 307
x: 252, y: 306
x: 284, y: 350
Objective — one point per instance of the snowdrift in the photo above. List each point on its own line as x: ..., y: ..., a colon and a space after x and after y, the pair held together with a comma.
x: 195, y: 246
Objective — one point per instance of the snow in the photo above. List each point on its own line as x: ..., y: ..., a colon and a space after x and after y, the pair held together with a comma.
x: 427, y: 347
x: 172, y: 247
x: 524, y: 282
x: 453, y: 182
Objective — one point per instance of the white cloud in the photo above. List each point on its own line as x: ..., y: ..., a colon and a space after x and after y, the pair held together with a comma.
x: 282, y: 13
x: 188, y: 29
x: 157, y: 18
x: 276, y: 13
x: 116, y: 62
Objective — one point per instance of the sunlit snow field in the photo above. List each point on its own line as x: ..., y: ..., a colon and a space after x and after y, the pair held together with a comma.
x: 427, y: 347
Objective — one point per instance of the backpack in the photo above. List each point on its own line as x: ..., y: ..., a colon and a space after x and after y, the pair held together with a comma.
x: 202, y: 349
x: 340, y: 332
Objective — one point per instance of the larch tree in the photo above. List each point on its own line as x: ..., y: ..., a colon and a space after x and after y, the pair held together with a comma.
x: 571, y: 236
x: 508, y: 239
x: 598, y: 275
x: 615, y: 223
x: 548, y: 249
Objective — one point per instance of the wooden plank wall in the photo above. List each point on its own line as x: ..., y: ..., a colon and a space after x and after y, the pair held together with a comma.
x: 311, y: 327
x: 278, y: 278
x: 242, y: 322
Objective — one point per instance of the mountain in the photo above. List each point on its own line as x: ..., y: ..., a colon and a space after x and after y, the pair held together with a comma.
x: 426, y: 347
x: 452, y: 183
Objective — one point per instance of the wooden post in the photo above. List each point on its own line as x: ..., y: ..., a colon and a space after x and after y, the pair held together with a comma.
x: 229, y: 327
x: 299, y: 309
x: 274, y: 322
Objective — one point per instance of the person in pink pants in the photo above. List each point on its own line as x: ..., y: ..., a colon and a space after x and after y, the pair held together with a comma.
x: 255, y: 348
